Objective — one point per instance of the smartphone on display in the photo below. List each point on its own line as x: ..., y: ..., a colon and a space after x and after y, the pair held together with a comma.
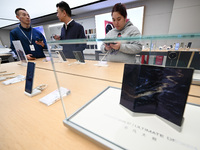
x: 189, y: 45
x: 108, y: 44
x: 39, y: 39
x: 79, y: 56
x: 29, y: 77
x: 182, y: 45
x: 61, y: 55
x: 177, y: 46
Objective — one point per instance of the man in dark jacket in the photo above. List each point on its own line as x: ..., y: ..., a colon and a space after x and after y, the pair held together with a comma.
x: 32, y: 40
x: 70, y: 30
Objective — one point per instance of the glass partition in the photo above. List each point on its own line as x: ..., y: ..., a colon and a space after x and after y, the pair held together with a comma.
x: 92, y: 108
x: 178, y: 50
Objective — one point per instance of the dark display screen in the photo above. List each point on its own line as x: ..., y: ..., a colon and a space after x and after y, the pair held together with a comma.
x: 157, y: 90
x: 29, y: 77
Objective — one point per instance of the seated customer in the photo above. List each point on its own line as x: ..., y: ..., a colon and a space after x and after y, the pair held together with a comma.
x: 122, y: 51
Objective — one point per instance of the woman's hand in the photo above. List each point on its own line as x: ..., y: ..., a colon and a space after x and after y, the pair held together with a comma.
x: 115, y: 46
x: 107, y: 47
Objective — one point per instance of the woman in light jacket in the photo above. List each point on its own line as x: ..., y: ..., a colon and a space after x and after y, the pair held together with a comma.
x: 122, y: 51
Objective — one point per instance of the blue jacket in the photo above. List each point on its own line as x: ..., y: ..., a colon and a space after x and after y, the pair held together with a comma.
x: 16, y: 34
x: 74, y: 31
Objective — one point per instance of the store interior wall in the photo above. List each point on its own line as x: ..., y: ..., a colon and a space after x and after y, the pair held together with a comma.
x: 5, y: 37
x: 160, y: 17
x: 185, y: 17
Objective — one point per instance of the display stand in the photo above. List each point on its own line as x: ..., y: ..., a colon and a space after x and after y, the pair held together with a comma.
x: 34, y: 92
x: 107, y: 122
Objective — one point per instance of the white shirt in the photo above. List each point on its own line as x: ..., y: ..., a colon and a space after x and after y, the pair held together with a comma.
x: 68, y: 23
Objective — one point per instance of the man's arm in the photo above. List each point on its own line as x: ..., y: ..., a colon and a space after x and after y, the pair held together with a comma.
x: 42, y: 41
x: 81, y: 47
x: 12, y: 38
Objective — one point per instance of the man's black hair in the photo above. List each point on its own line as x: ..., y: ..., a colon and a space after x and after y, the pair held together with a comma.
x: 18, y: 9
x: 64, y: 6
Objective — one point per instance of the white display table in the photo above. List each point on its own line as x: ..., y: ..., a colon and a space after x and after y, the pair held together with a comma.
x: 104, y: 120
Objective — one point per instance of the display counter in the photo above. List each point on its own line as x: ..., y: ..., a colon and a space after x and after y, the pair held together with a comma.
x: 99, y: 120
x: 29, y: 124
x: 6, y: 58
x: 26, y: 123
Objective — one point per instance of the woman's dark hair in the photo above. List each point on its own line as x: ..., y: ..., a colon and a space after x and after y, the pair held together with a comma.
x: 18, y: 9
x: 64, y: 6
x: 121, y: 8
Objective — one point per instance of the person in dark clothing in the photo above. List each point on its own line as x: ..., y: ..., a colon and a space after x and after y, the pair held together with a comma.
x: 32, y: 40
x: 70, y: 30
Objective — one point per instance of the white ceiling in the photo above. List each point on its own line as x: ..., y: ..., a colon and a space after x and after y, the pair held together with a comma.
x: 35, y: 8
x: 39, y: 8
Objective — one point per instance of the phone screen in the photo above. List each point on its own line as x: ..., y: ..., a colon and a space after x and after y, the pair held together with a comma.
x: 189, y: 45
x: 182, y: 44
x: 110, y: 43
x: 39, y: 39
x: 177, y: 46
x: 62, y: 55
x: 29, y: 77
x: 79, y: 56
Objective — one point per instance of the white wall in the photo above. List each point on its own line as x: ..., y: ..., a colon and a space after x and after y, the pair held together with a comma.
x: 5, y: 37
x: 157, y: 16
x: 161, y: 17
x: 185, y: 17
x: 87, y: 23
